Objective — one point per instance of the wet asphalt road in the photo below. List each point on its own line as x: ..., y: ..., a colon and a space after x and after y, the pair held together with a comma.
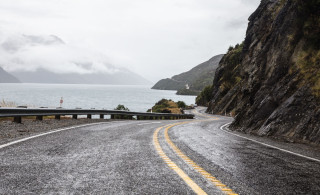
x: 120, y: 158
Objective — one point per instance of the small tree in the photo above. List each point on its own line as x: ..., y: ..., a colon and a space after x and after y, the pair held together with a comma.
x: 230, y: 48
x: 121, y: 107
x: 181, y: 104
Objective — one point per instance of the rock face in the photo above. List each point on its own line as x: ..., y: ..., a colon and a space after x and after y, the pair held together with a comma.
x: 271, y: 82
x: 5, y: 77
x: 192, y: 81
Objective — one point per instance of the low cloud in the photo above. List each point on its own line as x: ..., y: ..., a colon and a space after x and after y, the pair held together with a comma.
x: 21, y: 52
x: 157, y: 38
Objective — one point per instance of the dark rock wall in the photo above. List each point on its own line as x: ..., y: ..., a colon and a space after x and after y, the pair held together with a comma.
x: 266, y: 91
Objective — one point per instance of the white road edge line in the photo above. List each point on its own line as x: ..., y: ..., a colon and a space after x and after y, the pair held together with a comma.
x: 283, y: 150
x: 47, y: 133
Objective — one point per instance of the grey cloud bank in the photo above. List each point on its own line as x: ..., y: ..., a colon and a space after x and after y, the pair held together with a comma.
x: 155, y: 38
x: 30, y: 53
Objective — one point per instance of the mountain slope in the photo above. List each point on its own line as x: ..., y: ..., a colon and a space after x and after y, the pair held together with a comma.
x: 121, y: 77
x: 5, y: 77
x: 196, y: 78
x: 271, y: 83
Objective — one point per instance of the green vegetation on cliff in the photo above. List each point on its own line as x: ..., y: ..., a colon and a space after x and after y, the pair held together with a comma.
x: 205, y: 96
x: 228, y: 75
x: 308, y: 62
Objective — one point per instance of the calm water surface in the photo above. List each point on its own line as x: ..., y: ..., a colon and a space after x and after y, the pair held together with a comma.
x: 136, y: 98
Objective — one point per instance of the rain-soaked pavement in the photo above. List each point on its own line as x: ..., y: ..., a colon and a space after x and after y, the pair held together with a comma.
x: 122, y: 157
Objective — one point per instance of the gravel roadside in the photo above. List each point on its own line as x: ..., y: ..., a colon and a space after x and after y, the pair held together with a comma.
x: 10, y: 131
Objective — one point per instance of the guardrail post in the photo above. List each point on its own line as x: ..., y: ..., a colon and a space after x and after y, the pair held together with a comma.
x: 74, y: 116
x: 101, y: 116
x: 39, y: 118
x: 57, y: 117
x: 89, y: 116
x: 17, y: 119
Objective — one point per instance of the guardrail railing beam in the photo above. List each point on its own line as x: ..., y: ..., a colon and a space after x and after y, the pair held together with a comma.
x: 18, y: 113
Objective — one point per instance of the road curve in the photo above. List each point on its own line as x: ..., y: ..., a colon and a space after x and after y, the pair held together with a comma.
x: 154, y: 157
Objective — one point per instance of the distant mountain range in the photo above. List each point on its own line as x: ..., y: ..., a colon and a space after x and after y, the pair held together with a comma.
x: 121, y: 77
x: 5, y: 77
x: 192, y: 81
x: 48, y: 59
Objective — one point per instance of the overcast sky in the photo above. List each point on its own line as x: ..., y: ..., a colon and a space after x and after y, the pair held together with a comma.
x: 154, y: 38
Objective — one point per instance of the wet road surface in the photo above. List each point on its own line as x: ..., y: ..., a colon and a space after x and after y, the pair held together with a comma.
x: 154, y: 157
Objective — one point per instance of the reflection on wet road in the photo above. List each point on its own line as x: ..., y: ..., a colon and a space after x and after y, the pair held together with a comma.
x: 155, y: 157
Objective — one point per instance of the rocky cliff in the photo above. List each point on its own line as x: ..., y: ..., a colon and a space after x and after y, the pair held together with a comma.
x: 271, y: 82
x: 192, y: 81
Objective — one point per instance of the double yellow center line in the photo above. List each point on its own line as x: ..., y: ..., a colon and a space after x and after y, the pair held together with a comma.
x: 197, y: 189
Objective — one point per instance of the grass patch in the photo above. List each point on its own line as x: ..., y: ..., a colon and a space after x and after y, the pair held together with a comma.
x: 309, y: 65
x: 4, y: 103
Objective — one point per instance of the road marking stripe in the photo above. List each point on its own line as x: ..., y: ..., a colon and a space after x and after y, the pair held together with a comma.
x: 199, y: 169
x: 47, y: 133
x: 270, y: 146
x: 173, y: 166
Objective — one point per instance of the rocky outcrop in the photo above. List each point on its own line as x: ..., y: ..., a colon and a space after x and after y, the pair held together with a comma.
x: 271, y: 82
x: 192, y: 81
x: 5, y: 77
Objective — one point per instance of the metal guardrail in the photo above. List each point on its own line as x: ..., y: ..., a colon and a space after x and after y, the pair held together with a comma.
x: 39, y: 113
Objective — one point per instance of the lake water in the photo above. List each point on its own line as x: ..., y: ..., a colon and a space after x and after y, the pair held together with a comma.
x: 136, y: 98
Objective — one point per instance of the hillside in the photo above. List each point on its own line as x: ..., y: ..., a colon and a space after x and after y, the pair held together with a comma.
x: 271, y: 82
x: 5, y: 77
x: 192, y: 81
x: 122, y: 77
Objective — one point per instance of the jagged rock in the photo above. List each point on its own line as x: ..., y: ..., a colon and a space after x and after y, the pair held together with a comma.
x: 272, y: 89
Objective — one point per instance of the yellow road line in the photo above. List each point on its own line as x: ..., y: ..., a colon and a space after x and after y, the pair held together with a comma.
x: 200, y: 170
x: 174, y: 167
